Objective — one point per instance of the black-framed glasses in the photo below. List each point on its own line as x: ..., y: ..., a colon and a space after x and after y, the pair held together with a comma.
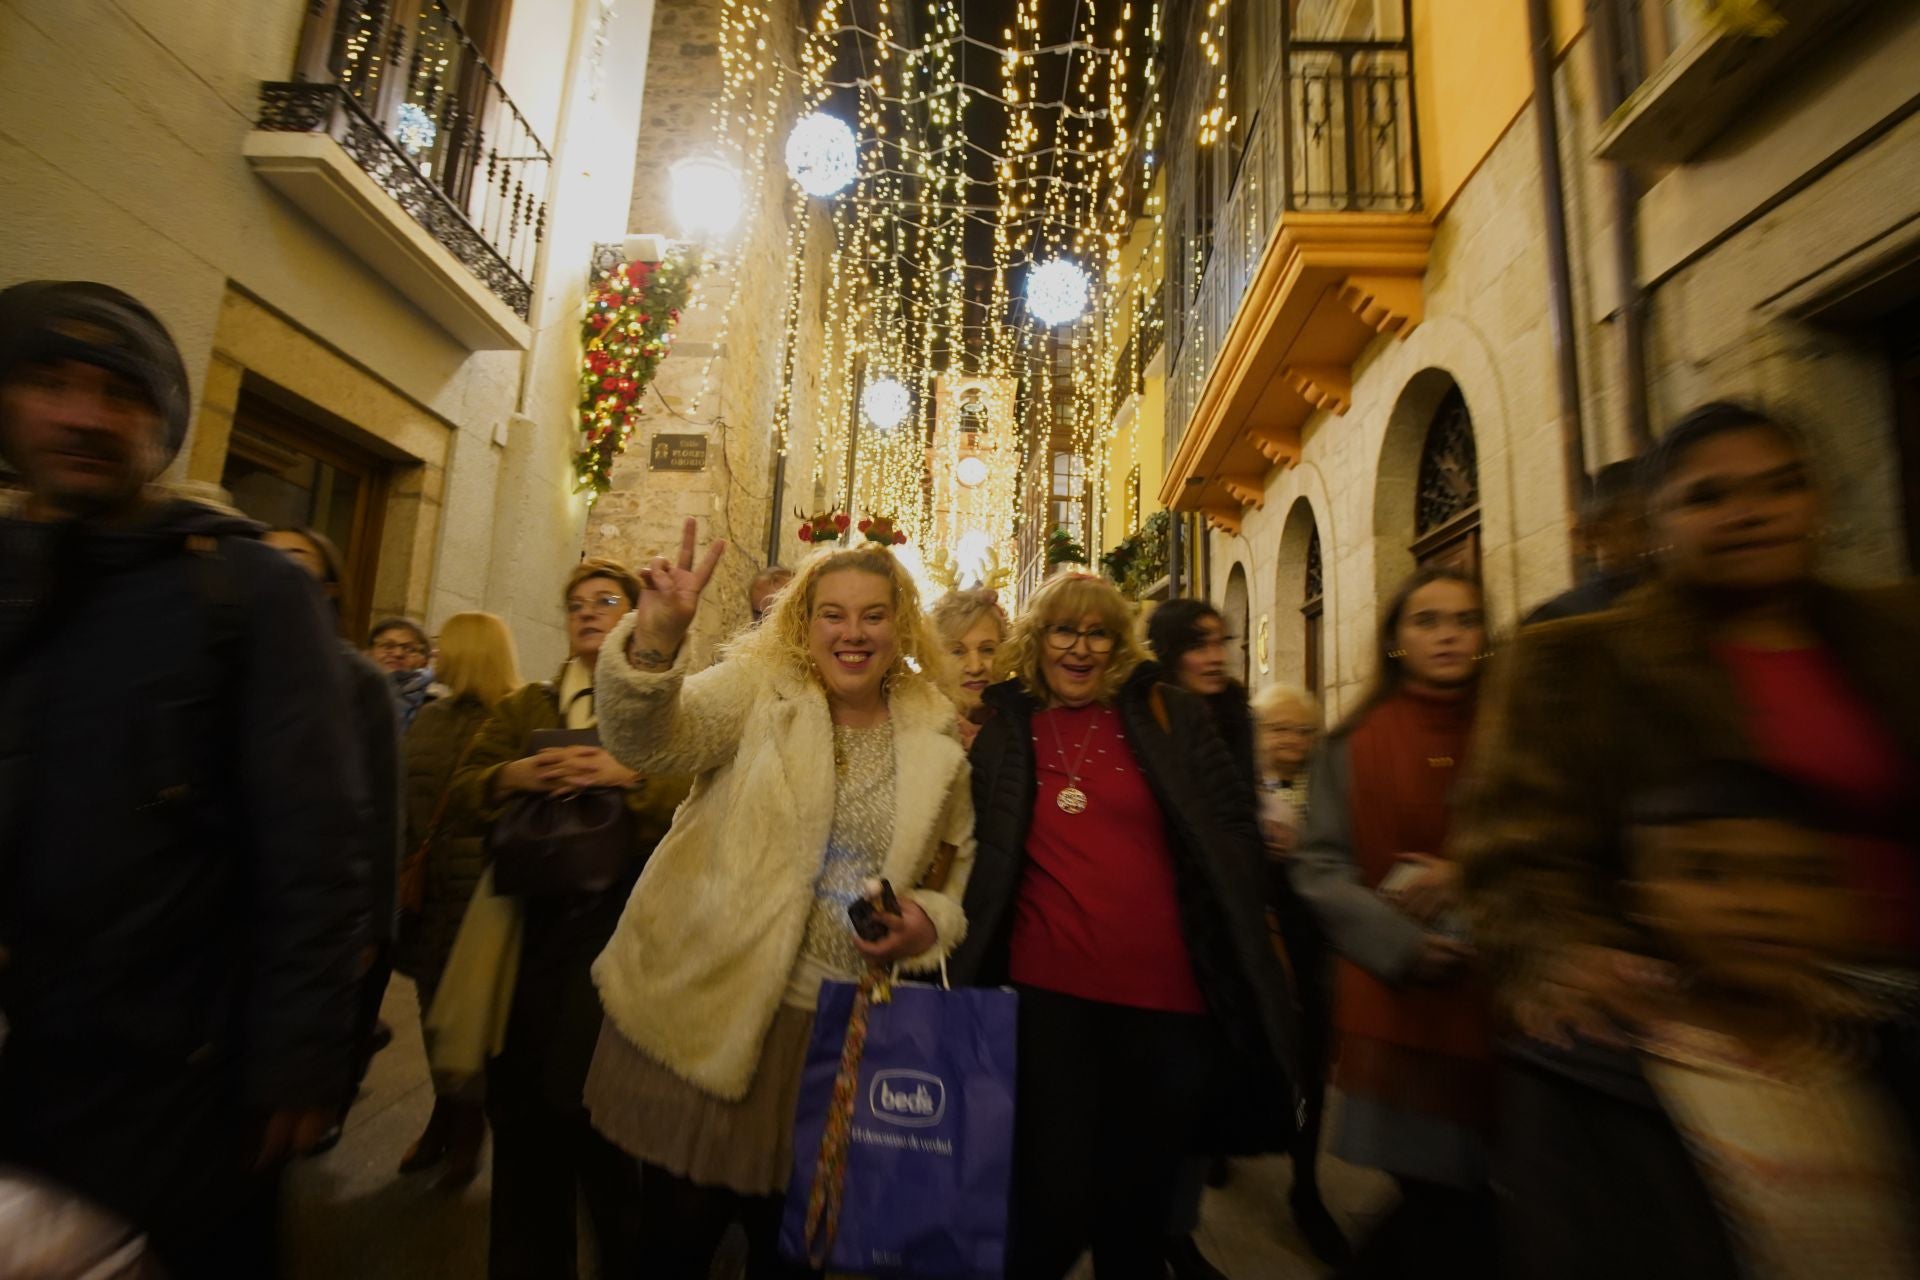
x: 1062, y: 637
x: 606, y: 601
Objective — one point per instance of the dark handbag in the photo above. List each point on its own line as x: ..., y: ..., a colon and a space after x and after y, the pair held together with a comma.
x: 546, y: 846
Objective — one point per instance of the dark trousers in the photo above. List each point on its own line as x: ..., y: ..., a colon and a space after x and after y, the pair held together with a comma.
x: 546, y: 1160
x: 1436, y: 1232
x: 1109, y: 1102
x: 683, y: 1224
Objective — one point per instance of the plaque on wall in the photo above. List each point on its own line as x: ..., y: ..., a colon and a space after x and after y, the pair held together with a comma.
x: 678, y: 453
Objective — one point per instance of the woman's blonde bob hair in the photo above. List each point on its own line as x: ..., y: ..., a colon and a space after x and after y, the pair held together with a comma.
x: 955, y: 613
x: 1068, y: 598
x: 781, y: 637
x: 477, y: 657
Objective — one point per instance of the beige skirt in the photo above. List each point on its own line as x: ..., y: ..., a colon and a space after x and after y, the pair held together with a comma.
x: 651, y: 1113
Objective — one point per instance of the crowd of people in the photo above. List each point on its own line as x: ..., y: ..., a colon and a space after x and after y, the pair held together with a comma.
x: 1600, y: 935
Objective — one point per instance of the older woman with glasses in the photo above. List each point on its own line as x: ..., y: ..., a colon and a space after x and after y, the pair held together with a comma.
x: 1118, y: 887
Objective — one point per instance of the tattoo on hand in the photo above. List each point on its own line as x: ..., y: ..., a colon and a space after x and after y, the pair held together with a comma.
x: 650, y: 659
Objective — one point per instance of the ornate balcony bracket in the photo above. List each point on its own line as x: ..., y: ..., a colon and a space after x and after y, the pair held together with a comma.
x: 1324, y: 386
x: 1326, y: 287
x: 316, y: 145
x: 1224, y: 519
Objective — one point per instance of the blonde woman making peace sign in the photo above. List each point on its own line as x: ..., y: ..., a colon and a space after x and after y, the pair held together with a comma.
x: 826, y: 757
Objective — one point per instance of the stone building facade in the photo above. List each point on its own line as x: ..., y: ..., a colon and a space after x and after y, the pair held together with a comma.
x: 1772, y: 258
x: 352, y: 366
x: 723, y: 379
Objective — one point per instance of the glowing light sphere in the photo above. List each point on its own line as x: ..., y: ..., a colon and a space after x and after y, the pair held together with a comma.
x: 706, y: 196
x: 971, y: 471
x: 1058, y: 291
x: 821, y: 154
x: 886, y: 403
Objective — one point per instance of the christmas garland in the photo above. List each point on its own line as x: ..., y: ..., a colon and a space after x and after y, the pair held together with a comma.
x: 627, y: 332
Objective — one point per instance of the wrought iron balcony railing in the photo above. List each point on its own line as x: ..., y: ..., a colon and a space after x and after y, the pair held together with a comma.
x: 406, y: 93
x: 1334, y: 133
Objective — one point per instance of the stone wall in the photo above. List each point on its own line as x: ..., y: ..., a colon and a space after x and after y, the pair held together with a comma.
x: 723, y: 378
x: 121, y: 161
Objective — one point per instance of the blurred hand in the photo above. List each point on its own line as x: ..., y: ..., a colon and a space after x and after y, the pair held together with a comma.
x: 293, y: 1132
x: 909, y: 934
x: 1435, y: 890
x: 669, y: 595
x: 1595, y: 993
x: 1441, y: 959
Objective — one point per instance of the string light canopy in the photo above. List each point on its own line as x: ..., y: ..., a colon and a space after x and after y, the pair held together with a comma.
x: 1058, y: 292
x: 706, y: 197
x: 886, y: 403
x: 821, y: 154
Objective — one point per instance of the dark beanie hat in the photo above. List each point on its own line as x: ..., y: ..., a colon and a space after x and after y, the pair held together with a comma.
x: 47, y: 320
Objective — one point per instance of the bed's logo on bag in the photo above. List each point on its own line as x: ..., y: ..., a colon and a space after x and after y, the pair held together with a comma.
x: 911, y: 1099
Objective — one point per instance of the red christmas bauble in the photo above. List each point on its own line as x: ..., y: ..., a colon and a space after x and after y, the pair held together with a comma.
x: 865, y: 525
x: 899, y: 539
x: 806, y: 533
x: 840, y: 522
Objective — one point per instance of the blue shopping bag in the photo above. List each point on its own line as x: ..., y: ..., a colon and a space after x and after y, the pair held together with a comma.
x: 903, y: 1137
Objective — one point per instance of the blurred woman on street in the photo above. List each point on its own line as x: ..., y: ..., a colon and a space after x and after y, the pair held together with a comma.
x: 826, y: 757
x: 375, y: 722
x: 1118, y: 888
x: 446, y: 853
x: 547, y: 1158
x: 1415, y: 1070
x: 972, y: 627
x: 1738, y: 650
x: 1189, y: 640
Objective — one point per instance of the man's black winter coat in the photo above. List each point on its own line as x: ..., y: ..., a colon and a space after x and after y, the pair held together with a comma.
x: 182, y: 873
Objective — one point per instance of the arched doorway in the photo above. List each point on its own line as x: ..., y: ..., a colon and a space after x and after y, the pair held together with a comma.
x: 1446, y: 517
x: 1235, y: 607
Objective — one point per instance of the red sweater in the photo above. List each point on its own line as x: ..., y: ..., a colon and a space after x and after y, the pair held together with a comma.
x: 1098, y: 916
x: 1808, y: 724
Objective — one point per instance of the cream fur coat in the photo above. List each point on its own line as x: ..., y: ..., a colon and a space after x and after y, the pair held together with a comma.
x: 700, y: 961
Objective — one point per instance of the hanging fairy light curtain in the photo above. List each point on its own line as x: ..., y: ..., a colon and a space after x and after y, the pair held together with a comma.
x: 906, y: 141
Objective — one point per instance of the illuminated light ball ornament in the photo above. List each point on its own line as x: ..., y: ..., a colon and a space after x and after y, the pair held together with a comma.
x: 886, y: 403
x: 706, y: 196
x: 1058, y: 292
x: 414, y: 128
x: 821, y: 154
x: 971, y: 472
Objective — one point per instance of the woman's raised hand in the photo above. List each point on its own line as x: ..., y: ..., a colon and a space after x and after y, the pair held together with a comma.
x: 669, y: 594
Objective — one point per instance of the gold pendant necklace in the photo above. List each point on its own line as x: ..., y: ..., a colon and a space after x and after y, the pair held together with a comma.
x: 1071, y: 798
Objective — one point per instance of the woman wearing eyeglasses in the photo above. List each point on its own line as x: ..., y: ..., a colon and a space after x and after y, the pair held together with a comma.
x: 1118, y: 886
x: 547, y: 1157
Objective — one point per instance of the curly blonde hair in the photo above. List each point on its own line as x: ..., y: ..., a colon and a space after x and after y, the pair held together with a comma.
x: 781, y: 637
x: 1067, y: 599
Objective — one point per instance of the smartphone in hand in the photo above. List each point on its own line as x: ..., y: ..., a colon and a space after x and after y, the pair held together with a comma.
x: 865, y: 915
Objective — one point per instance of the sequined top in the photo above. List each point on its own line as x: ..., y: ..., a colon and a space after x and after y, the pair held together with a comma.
x: 856, y: 845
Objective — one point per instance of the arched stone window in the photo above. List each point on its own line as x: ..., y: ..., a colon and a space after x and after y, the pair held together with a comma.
x: 1446, y: 519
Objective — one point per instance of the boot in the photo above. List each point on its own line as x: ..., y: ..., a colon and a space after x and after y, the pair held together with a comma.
x: 430, y: 1148
x: 467, y: 1135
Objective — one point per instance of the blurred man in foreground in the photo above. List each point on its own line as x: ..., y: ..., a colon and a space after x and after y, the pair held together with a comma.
x: 182, y: 894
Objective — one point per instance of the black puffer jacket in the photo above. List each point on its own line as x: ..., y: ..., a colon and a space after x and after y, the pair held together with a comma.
x: 1219, y: 864
x: 182, y: 864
